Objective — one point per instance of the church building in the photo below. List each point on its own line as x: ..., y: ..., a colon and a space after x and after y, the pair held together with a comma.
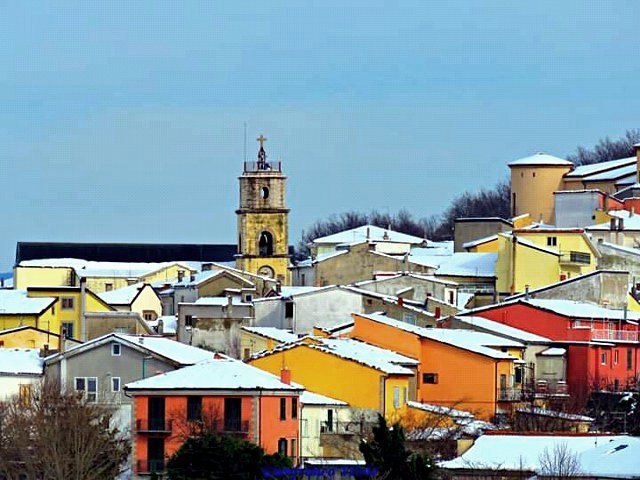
x: 263, y: 230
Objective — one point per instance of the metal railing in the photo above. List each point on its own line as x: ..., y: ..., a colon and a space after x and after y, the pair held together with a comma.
x: 154, y: 426
x: 263, y: 166
x: 575, y: 257
x: 150, y: 466
x: 509, y: 394
x: 620, y: 335
x: 550, y: 387
x: 345, y: 428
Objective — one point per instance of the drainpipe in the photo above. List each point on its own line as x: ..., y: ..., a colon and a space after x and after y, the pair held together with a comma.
x: 83, y: 308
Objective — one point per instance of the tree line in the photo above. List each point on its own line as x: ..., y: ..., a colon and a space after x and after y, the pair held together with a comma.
x: 487, y: 202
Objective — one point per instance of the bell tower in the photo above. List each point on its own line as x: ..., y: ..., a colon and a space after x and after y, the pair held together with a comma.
x: 263, y: 226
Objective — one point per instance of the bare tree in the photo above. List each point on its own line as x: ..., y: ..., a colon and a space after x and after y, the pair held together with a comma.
x: 59, y: 436
x: 607, y: 149
x: 559, y: 462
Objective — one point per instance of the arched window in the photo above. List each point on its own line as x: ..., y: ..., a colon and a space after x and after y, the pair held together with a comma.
x: 282, y: 447
x: 265, y: 244
x: 264, y: 193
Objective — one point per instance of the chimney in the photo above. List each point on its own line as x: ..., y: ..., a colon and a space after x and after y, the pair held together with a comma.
x: 438, y: 313
x: 278, y: 287
x: 526, y: 292
x: 83, y: 308
x: 229, y: 309
x: 160, y: 327
x: 285, y: 375
x: 368, y: 233
x: 621, y: 224
x: 400, y: 301
x: 612, y: 224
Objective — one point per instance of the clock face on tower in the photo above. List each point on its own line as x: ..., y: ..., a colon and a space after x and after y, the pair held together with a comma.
x: 266, y: 271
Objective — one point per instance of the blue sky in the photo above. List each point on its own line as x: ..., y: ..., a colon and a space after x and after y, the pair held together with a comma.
x: 123, y: 121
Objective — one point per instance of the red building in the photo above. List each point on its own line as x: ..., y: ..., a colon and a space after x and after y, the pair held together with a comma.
x: 602, y: 344
x: 225, y: 396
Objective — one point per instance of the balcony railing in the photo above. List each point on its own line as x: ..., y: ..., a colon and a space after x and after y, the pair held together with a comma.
x: 145, y: 467
x: 550, y: 387
x: 509, y: 394
x: 345, y: 428
x: 153, y: 426
x: 232, y: 427
x: 619, y: 335
x: 579, y: 258
x: 263, y: 166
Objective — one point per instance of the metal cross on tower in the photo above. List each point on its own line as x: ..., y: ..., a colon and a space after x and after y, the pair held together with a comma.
x: 262, y: 155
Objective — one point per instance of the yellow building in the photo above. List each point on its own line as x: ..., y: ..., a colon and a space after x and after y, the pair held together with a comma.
x: 18, y: 308
x: 533, y: 181
x: 355, y: 372
x: 140, y: 298
x: 69, y: 308
x: 31, y: 337
x: 263, y: 226
x: 257, y: 339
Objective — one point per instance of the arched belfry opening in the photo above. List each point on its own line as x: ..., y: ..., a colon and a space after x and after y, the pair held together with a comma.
x: 265, y: 244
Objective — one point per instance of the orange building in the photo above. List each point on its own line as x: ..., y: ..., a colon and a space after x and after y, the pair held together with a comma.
x: 225, y: 396
x: 468, y: 370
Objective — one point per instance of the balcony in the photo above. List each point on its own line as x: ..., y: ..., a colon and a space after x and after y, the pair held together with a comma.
x: 232, y: 427
x: 154, y: 426
x: 544, y: 387
x: 575, y: 258
x: 509, y: 394
x: 147, y: 467
x: 617, y: 335
x: 266, y: 166
x: 345, y: 428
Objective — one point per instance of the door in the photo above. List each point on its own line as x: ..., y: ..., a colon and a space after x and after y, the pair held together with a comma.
x: 330, y: 420
x: 232, y: 414
x: 156, y: 413
x: 155, y: 454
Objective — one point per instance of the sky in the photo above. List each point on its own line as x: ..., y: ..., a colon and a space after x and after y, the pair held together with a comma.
x: 124, y: 121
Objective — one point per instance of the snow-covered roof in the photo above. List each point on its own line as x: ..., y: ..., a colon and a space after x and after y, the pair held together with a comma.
x: 553, y: 352
x: 88, y: 268
x: 16, y: 302
x: 20, y: 361
x: 440, y: 410
x: 217, y: 374
x: 542, y: 159
x: 169, y: 323
x: 277, y: 334
x: 121, y: 296
x: 293, y: 291
x: 598, y: 168
x: 480, y: 241
x: 630, y: 221
x: 177, y: 352
x: 501, y: 329
x: 600, y: 456
x: 6, y: 282
x: 535, y: 246
x: 571, y: 308
x: 381, y: 359
x: 555, y: 414
x: 620, y: 248
x: 463, y: 264
x: 311, y: 398
x: 236, y: 301
x: 478, y: 342
x: 371, y: 233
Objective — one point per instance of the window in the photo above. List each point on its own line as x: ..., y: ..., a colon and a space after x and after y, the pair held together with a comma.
x: 283, y: 409
x: 603, y: 358
x: 115, y: 349
x: 264, y: 193
x: 518, y: 378
x: 629, y: 359
x: 149, y: 315
x: 67, y: 303
x: 108, y: 287
x: 616, y: 356
x: 67, y: 329
x: 404, y: 395
x: 115, y: 384
x: 194, y: 409
x: 288, y: 310
x: 552, y: 241
x: 247, y: 353
x: 294, y: 408
x: 294, y: 448
x: 88, y: 386
x: 429, y: 378
x: 188, y: 320
x: 396, y: 397
x: 282, y: 447
x: 533, y: 174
